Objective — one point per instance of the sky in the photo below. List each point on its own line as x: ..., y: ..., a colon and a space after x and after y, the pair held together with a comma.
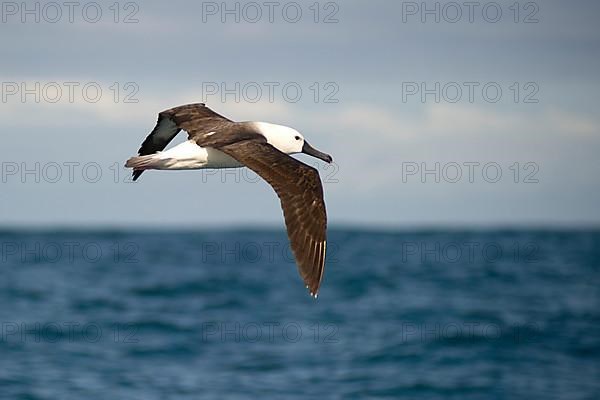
x: 436, y: 113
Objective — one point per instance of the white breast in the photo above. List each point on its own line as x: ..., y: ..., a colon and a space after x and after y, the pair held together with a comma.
x: 218, y: 159
x: 188, y: 155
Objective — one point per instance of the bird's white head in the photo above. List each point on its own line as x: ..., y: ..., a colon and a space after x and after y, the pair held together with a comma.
x: 288, y: 140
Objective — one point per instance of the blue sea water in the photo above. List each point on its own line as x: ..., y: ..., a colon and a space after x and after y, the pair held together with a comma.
x: 188, y: 315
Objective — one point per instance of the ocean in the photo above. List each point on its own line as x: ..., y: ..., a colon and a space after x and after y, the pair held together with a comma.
x: 432, y: 314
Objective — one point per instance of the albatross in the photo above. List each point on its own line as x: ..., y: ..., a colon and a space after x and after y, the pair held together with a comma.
x: 218, y: 142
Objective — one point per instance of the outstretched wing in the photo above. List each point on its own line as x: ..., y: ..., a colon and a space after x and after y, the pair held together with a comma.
x: 192, y: 117
x: 301, y: 193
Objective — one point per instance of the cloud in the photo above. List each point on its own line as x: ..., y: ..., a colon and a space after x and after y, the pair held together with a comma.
x: 438, y: 119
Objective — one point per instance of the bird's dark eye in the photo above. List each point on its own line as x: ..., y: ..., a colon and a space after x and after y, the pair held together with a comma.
x: 297, y: 138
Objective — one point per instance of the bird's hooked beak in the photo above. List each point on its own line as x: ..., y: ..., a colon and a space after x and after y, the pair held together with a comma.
x: 311, y: 151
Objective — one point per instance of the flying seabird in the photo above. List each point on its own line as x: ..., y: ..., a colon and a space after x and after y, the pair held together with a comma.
x: 217, y: 142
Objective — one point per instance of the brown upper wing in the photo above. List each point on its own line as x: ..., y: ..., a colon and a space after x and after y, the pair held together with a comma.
x: 196, y: 119
x: 301, y: 193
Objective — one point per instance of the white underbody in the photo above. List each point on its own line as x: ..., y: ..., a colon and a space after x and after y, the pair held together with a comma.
x: 188, y: 155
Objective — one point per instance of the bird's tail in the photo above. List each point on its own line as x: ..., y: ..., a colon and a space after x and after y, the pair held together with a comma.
x: 142, y: 163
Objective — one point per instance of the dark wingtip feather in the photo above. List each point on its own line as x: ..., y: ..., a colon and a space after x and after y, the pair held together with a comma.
x: 136, y: 175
